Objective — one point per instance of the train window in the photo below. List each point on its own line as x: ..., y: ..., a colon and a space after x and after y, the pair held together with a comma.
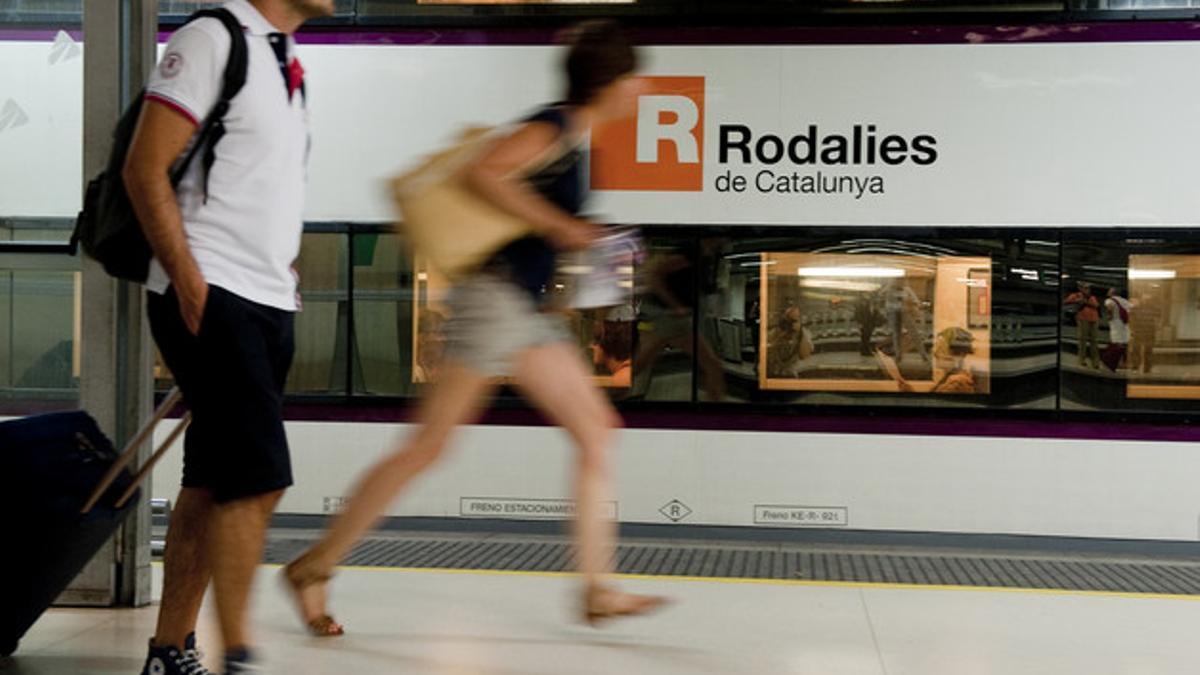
x: 39, y: 348
x: 178, y: 10
x: 526, y: 2
x: 1160, y: 321
x: 41, y: 123
x: 322, y: 325
x: 895, y: 323
x: 604, y: 336
x: 500, y: 12
x: 947, y: 318
x: 384, y: 292
x: 665, y: 351
x: 639, y: 345
x: 322, y: 353
x: 897, y: 320
x: 1131, y: 321
x: 55, y: 12
x: 1132, y: 4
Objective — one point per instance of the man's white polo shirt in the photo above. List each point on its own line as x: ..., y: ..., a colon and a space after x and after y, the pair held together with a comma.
x: 246, y: 234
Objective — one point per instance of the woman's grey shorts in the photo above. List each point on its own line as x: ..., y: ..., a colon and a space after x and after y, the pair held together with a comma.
x: 492, y: 320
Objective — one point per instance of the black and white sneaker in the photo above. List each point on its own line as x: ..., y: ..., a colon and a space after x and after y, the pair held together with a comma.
x: 191, y: 652
x: 169, y: 660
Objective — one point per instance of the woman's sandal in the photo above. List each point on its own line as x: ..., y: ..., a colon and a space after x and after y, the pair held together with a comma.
x: 602, y: 603
x: 296, y: 583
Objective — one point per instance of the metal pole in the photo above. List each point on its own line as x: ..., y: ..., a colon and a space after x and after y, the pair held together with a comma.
x: 115, y: 376
x: 135, y: 355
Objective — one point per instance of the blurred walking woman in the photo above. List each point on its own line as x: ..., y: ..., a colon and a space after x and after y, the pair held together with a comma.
x: 496, y: 329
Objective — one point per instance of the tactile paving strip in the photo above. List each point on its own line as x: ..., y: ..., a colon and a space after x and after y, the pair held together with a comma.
x: 776, y: 562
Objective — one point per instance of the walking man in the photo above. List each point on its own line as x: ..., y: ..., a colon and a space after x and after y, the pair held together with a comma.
x: 222, y: 295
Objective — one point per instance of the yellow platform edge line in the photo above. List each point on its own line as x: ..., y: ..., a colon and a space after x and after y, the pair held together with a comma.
x: 802, y: 583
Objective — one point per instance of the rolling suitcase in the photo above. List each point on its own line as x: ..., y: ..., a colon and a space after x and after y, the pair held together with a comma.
x: 64, y: 490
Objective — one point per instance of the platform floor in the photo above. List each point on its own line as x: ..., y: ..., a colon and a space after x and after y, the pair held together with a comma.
x: 478, y: 622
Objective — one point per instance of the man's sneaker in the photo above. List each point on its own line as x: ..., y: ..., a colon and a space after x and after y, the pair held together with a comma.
x: 190, y: 650
x: 170, y: 661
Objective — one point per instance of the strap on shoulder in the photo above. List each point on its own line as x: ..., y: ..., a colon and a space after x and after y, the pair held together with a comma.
x: 236, y: 67
x: 213, y: 128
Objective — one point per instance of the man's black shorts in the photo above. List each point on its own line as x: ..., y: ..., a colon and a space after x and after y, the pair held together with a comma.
x: 232, y: 376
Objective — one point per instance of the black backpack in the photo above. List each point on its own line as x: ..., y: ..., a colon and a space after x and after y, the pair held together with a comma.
x: 107, y: 227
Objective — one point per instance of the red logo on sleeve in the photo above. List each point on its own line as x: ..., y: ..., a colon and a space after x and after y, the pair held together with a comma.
x: 172, y: 65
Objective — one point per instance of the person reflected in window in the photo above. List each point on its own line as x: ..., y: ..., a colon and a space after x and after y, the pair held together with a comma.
x: 431, y: 345
x: 1145, y: 320
x: 1118, y: 309
x: 668, y: 308
x: 1085, y: 307
x: 754, y: 322
x: 866, y: 313
x: 612, y: 350
x: 789, y: 343
x: 903, y: 309
x: 951, y: 347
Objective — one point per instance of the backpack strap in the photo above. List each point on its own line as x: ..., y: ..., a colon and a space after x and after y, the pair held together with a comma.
x: 213, y: 128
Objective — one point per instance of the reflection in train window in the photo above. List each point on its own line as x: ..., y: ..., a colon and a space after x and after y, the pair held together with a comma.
x: 1162, y: 323
x: 885, y: 323
x: 605, y: 335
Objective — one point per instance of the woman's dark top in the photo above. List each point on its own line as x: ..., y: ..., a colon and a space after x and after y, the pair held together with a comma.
x: 529, y: 261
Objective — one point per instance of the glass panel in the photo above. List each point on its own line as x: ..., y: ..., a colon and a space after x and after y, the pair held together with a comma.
x: 883, y: 321
x: 429, y: 314
x: 36, y: 229
x: 1160, y: 324
x: 492, y: 10
x: 526, y: 2
x: 39, y: 356
x: 596, y: 292
x: 319, y: 366
x: 667, y: 339
x: 6, y: 332
x: 322, y: 325
x: 183, y: 8
x: 843, y: 322
x: 925, y: 6
x: 1133, y: 4
x: 605, y: 335
x: 56, y: 12
x: 384, y: 319
x: 179, y: 9
x: 1131, y: 323
x: 41, y: 119
x: 41, y: 141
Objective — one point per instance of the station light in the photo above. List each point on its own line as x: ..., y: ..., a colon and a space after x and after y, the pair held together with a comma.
x: 852, y: 272
x: 1151, y: 274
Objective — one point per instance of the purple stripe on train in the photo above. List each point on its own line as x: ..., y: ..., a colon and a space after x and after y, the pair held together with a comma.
x: 1114, y: 31
x: 786, y: 420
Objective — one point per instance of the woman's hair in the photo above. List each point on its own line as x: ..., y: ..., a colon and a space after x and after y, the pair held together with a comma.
x: 617, y: 340
x: 959, y: 341
x: 786, y: 318
x: 598, y: 54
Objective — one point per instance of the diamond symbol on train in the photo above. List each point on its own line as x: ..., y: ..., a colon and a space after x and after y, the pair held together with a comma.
x: 65, y: 48
x: 675, y: 510
x: 12, y: 116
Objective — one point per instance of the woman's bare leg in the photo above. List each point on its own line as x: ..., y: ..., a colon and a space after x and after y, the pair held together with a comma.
x: 554, y: 379
x: 456, y: 399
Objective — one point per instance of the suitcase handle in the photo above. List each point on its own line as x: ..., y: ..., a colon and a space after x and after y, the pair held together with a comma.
x: 131, y: 449
x: 158, y: 454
